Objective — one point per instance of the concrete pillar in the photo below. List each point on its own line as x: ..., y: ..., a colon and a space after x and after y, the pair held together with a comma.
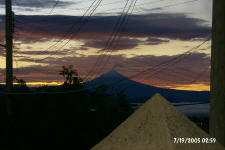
x: 217, y: 110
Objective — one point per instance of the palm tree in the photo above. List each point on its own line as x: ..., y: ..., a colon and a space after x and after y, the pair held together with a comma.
x: 70, y: 75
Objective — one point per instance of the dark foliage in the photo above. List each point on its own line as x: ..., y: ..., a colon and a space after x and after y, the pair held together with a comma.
x: 202, y: 122
x: 65, y: 117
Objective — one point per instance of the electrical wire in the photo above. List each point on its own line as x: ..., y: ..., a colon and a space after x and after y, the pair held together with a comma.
x: 83, y: 21
x: 64, y: 37
x: 118, y: 81
x: 188, y: 104
x: 79, y: 28
x: 156, y: 69
x: 155, y: 9
x: 108, y: 42
x: 48, y: 14
x: 116, y: 44
x: 113, y: 37
x: 140, y: 4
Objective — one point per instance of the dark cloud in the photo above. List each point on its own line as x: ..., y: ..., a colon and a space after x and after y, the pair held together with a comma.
x: 29, y: 39
x: 172, y: 26
x: 39, y: 73
x: 121, y: 44
x: 185, y: 70
x: 62, y: 52
x: 158, y: 28
x: 193, y: 68
x: 156, y: 41
x: 38, y: 3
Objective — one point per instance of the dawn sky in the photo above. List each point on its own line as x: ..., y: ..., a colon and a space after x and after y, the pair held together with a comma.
x: 51, y: 33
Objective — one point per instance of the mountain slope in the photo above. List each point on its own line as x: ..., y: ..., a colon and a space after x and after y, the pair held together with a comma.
x: 138, y: 92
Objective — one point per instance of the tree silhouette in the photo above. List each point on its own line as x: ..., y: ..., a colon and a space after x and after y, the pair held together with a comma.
x: 62, y: 117
x: 21, y: 82
x: 21, y: 85
x: 71, y: 76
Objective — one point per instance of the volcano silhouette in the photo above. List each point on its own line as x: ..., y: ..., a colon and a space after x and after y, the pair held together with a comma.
x: 138, y: 92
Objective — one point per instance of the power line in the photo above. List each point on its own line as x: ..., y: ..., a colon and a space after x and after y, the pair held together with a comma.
x: 54, y: 6
x: 89, y: 19
x: 141, y: 4
x: 155, y: 70
x: 121, y: 29
x: 22, y: 22
x: 189, y: 104
x: 48, y: 14
x: 152, y: 10
x: 110, y: 40
x: 179, y: 56
x: 82, y: 21
x: 115, y: 2
x: 118, y: 81
x: 167, y: 6
x: 193, y: 80
x: 68, y: 32
x: 176, y: 59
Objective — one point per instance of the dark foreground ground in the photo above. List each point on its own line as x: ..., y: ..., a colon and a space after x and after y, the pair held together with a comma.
x: 65, y: 121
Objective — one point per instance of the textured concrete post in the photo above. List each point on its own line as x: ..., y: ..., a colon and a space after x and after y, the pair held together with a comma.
x: 217, y: 114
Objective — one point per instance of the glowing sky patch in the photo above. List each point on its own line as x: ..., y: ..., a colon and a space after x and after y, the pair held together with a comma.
x: 45, y: 48
x: 192, y: 87
x: 36, y: 84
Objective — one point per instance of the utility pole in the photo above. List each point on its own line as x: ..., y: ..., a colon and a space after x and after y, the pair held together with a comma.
x: 9, y: 45
x: 217, y: 108
x: 9, y: 69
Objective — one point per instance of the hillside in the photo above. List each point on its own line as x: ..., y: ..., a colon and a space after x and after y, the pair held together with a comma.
x: 139, y: 93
